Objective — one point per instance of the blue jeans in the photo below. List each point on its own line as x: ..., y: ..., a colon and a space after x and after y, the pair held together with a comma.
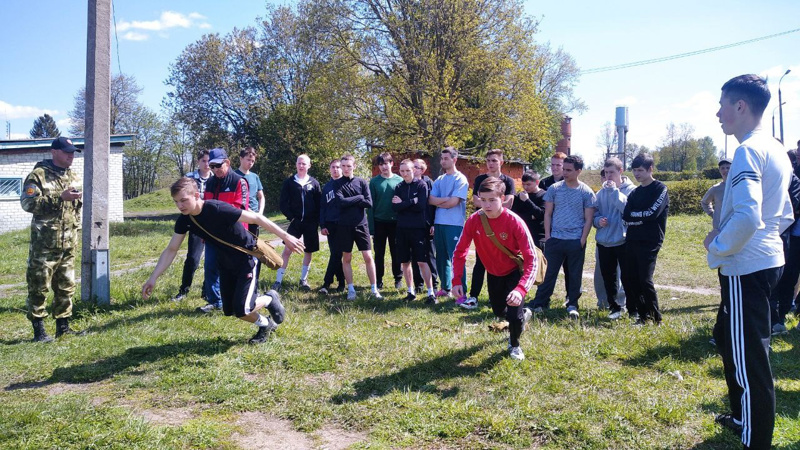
x: 211, y: 275
x: 445, y: 238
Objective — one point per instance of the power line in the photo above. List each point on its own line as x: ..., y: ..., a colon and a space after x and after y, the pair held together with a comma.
x: 116, y: 38
x: 683, y: 55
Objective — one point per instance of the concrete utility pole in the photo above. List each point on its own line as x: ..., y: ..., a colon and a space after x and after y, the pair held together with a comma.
x: 95, y: 276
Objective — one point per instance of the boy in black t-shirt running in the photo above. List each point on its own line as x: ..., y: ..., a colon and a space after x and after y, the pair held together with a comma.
x: 212, y: 220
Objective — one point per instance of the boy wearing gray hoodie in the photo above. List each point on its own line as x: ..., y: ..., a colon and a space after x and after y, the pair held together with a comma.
x: 610, y: 237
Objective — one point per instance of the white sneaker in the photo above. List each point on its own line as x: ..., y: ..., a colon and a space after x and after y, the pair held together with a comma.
x: 615, y: 315
x: 351, y: 295
x: 573, y: 312
x: 526, y: 315
x: 516, y: 353
x: 376, y: 294
x: 470, y: 303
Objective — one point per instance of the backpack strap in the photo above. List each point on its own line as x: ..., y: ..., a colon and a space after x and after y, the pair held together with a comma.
x: 241, y: 249
x: 490, y: 234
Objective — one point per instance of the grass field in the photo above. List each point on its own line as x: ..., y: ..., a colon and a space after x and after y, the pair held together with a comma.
x: 369, y: 374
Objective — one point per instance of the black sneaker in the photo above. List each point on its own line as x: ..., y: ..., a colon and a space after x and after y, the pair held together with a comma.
x: 275, y: 308
x: 304, y: 286
x: 430, y: 300
x: 180, y: 295
x: 727, y: 420
x: 263, y: 333
x: 410, y: 297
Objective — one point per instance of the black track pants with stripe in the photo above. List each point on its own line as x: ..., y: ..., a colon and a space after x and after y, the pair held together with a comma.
x: 742, y: 333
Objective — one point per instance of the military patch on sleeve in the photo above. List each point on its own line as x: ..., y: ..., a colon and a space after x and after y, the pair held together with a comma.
x: 31, y: 190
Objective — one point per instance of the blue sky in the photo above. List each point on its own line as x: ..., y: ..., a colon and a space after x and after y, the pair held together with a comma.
x: 44, y: 53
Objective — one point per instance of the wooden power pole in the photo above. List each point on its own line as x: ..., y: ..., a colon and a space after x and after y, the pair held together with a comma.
x: 95, y: 273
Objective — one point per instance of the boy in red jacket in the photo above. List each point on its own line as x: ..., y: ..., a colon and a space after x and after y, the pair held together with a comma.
x: 507, y: 284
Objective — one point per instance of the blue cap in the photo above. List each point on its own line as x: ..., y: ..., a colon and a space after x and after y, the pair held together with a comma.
x: 65, y: 145
x: 217, y: 156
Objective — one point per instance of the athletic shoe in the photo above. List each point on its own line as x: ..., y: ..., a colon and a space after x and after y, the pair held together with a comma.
x: 304, y: 286
x: 573, y: 312
x: 430, y: 300
x: 728, y: 421
x: 276, y: 286
x: 263, y: 333
x: 461, y: 300
x: 779, y: 328
x: 398, y: 284
x: 207, y: 309
x: 410, y: 297
x: 634, y: 316
x: 538, y: 310
x: 793, y: 309
x: 180, y: 295
x: 615, y: 315
x: 443, y: 293
x: 376, y: 295
x: 351, y: 295
x: 380, y: 285
x: 640, y: 322
x: 324, y: 290
x: 340, y: 288
x: 526, y: 315
x: 713, y: 342
x: 470, y: 303
x: 275, y: 307
x: 516, y: 353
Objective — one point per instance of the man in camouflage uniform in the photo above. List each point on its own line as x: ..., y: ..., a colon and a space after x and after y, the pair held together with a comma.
x: 51, y: 194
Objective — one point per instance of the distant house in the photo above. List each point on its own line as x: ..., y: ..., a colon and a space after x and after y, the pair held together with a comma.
x: 17, y: 158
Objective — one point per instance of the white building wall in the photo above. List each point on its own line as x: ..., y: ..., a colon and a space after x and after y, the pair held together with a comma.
x: 19, y: 165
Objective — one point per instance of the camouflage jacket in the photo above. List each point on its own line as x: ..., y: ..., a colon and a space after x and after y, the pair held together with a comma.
x: 55, y: 222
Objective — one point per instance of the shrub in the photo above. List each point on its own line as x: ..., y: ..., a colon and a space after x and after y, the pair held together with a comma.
x: 712, y: 173
x: 676, y: 176
x: 685, y: 196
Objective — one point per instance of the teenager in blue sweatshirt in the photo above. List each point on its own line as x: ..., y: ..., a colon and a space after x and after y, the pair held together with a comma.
x: 609, y: 205
x: 329, y: 218
x: 748, y: 251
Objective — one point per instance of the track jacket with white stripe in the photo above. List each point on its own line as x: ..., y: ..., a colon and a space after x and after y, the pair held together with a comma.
x: 756, y: 208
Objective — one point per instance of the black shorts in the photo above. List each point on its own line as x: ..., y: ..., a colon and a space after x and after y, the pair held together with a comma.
x: 411, y: 245
x: 308, y: 230
x: 238, y: 287
x: 347, y: 235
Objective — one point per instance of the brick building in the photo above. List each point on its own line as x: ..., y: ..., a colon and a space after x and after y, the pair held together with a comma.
x: 17, y: 158
x: 470, y: 166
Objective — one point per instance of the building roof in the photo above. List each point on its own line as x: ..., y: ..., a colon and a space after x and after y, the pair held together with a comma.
x: 117, y: 140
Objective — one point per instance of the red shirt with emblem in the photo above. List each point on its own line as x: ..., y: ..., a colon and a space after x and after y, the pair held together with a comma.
x: 512, y: 232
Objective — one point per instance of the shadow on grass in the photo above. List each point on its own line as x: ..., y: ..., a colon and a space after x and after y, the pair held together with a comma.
x: 420, y: 377
x: 94, y: 371
x: 693, y: 349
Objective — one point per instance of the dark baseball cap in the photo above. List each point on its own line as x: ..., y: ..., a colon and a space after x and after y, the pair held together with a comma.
x: 217, y: 156
x: 65, y: 145
x: 725, y: 161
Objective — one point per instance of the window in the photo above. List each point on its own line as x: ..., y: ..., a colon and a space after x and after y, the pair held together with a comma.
x: 10, y: 187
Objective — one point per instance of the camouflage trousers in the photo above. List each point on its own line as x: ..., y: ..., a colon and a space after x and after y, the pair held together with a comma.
x: 50, y: 268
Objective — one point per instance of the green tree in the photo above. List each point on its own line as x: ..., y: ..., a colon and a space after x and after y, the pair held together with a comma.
x: 143, y: 160
x: 44, y: 127
x: 458, y: 72
x: 679, y: 150
x: 708, y: 153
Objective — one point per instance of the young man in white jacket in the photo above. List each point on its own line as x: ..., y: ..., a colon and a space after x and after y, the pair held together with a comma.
x: 748, y: 251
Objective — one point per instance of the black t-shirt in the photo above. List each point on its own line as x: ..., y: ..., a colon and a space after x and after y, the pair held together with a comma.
x: 510, y: 188
x: 221, y: 220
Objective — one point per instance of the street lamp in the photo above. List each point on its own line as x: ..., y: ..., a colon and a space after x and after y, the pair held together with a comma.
x: 780, y: 102
x: 773, y: 118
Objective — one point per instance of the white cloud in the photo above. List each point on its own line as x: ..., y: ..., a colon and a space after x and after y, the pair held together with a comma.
x: 167, y: 21
x: 63, y: 124
x: 9, y: 111
x: 134, y: 36
x: 19, y: 136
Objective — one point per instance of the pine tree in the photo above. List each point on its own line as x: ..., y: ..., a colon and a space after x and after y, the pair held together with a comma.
x: 45, y: 127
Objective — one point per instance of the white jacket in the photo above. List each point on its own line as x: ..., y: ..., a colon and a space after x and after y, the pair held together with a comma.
x: 755, y: 208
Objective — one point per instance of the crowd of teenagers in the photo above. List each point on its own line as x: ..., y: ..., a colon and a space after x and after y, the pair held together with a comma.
x: 754, y: 243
